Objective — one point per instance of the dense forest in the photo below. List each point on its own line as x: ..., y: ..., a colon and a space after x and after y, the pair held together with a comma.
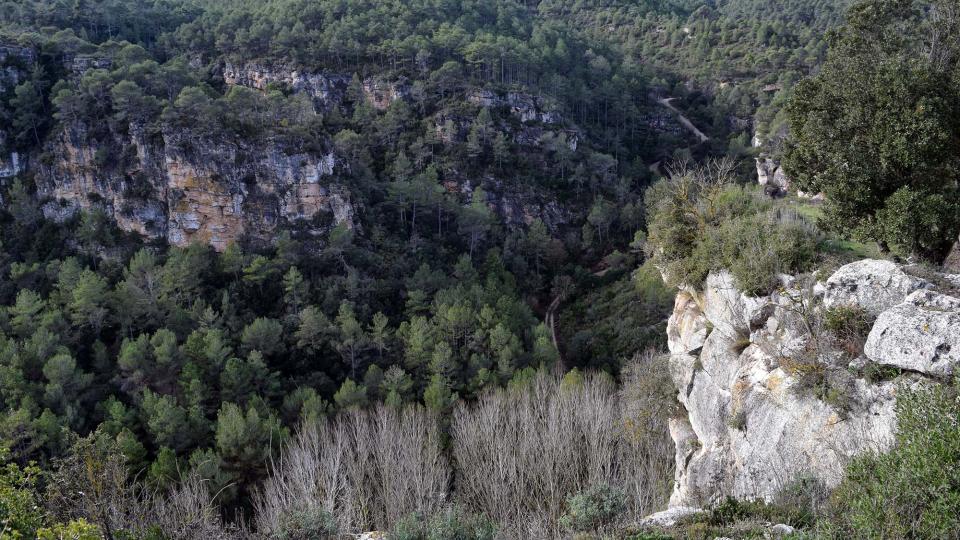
x: 496, y: 157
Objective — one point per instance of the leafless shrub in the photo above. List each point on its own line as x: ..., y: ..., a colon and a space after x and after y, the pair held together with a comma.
x: 187, y: 512
x: 92, y: 482
x: 521, y: 453
x: 696, y: 187
x: 367, y: 469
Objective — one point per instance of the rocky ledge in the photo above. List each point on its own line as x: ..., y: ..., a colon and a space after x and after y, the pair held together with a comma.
x: 771, y: 397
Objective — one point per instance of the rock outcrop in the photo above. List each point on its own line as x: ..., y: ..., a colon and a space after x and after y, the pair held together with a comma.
x: 12, y: 163
x: 873, y: 285
x: 770, y: 400
x: 326, y: 89
x: 186, y: 189
x: 774, y: 179
x: 15, y: 61
x: 525, y: 107
x: 772, y: 176
x: 921, y: 334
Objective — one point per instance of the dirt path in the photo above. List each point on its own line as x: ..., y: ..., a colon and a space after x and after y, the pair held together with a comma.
x: 550, y: 320
x: 683, y: 119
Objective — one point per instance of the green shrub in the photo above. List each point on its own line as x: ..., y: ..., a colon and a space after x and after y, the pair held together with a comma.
x: 875, y: 373
x: 697, y: 227
x: 312, y: 523
x: 20, y: 511
x: 757, y: 248
x: 849, y: 325
x: 409, y: 527
x: 912, y: 491
x: 791, y: 506
x: 800, y: 502
x: 920, y: 223
x: 75, y: 530
x: 594, y: 508
x: 452, y: 523
x: 738, y: 420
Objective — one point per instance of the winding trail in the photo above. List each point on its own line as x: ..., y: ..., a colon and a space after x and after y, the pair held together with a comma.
x: 550, y: 319
x: 683, y: 119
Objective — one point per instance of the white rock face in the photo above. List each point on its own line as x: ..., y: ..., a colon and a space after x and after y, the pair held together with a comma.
x: 11, y: 165
x: 326, y: 89
x: 770, y: 173
x: 874, y: 285
x: 921, y: 334
x: 669, y: 517
x: 752, y: 425
x: 686, y: 328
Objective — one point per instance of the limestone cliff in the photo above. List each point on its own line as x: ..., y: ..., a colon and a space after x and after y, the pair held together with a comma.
x: 774, y: 179
x: 770, y: 399
x: 15, y: 61
x: 185, y: 189
x: 326, y: 89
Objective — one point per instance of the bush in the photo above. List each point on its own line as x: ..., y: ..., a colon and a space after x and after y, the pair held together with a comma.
x: 75, y: 530
x: 452, y: 523
x: 700, y: 224
x: 311, y: 523
x: 20, y: 511
x: 919, y: 223
x: 849, y: 326
x: 912, y: 491
x: 793, y: 507
x: 756, y: 249
x: 594, y: 508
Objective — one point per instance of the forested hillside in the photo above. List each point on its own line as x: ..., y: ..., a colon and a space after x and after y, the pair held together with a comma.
x: 235, y: 228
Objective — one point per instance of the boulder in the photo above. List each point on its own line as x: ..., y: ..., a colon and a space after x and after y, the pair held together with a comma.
x: 782, y: 529
x: 922, y: 334
x: 669, y: 517
x: 687, y: 327
x: 771, y: 175
x: 871, y: 284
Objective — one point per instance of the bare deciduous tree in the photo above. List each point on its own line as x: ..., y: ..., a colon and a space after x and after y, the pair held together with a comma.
x: 367, y: 469
x: 519, y: 454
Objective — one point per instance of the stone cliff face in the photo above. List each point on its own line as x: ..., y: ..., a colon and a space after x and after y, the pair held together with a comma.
x: 769, y: 401
x: 14, y: 61
x: 173, y: 186
x: 326, y: 89
x: 185, y: 188
x: 772, y: 176
x: 524, y: 107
